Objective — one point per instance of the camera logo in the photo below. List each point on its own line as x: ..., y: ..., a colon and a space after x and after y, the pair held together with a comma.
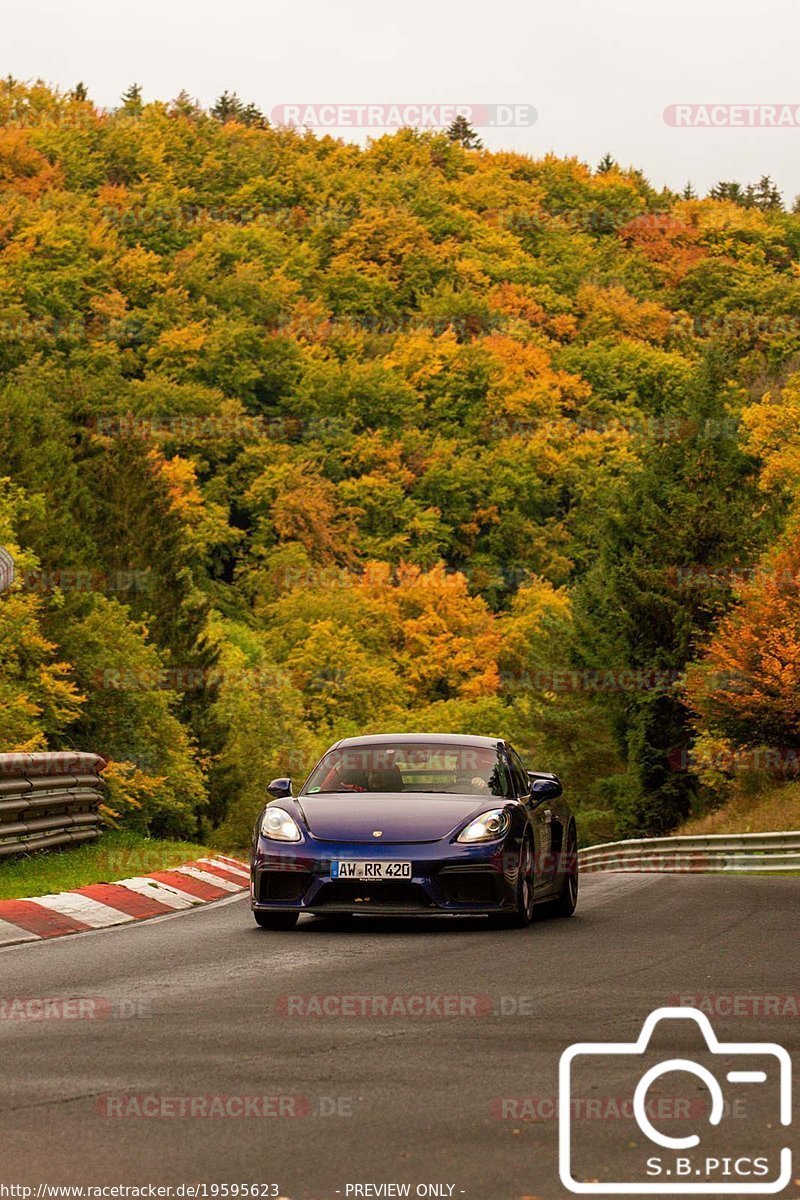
x: 725, y: 1157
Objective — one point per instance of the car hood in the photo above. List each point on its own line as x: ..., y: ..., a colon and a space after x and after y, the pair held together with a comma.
x: 400, y: 816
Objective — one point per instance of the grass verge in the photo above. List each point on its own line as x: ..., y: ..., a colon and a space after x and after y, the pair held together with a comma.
x: 775, y: 810
x: 116, y: 855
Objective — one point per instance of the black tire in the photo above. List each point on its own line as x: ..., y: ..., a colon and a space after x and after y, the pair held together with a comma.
x: 276, y: 920
x: 521, y: 915
x: 565, y: 903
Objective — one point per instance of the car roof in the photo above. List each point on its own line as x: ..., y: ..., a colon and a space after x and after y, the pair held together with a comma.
x: 443, y: 739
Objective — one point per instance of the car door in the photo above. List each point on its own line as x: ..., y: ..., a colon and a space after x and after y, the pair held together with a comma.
x: 541, y: 815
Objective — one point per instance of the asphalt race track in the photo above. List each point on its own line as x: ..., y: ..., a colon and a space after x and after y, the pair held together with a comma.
x: 196, y: 1005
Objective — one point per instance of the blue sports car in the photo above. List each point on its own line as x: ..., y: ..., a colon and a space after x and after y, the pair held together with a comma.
x: 415, y: 825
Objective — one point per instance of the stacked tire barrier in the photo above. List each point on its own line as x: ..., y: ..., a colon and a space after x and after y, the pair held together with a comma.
x: 49, y: 800
x: 723, y: 852
x: 6, y: 569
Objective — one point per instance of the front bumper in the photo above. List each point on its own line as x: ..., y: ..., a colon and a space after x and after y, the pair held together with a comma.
x: 445, y: 878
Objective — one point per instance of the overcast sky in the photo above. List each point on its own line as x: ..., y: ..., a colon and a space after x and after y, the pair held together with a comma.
x: 598, y: 72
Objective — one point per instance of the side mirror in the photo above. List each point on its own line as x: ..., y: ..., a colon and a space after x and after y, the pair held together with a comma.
x: 544, y: 787
x: 280, y: 788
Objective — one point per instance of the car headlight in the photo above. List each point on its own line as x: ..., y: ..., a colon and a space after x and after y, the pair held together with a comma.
x: 280, y: 826
x: 488, y: 827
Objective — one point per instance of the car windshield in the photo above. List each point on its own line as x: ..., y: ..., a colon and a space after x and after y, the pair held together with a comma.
x: 446, y: 769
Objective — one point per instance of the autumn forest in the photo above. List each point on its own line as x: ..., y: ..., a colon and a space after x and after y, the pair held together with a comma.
x: 302, y: 438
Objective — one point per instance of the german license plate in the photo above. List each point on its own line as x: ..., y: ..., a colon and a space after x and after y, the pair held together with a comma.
x: 351, y: 868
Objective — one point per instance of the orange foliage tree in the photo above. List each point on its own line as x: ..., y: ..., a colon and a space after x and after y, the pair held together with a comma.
x: 746, y: 687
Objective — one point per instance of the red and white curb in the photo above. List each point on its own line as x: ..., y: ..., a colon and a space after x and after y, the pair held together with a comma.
x: 99, y: 905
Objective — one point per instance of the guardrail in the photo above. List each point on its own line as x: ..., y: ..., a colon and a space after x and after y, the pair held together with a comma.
x: 725, y: 852
x: 49, y: 799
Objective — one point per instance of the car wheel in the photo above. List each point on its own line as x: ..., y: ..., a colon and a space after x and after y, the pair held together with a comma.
x: 276, y: 920
x: 522, y: 914
x: 567, y: 899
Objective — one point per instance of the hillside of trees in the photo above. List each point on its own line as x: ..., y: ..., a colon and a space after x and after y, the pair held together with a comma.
x: 301, y: 439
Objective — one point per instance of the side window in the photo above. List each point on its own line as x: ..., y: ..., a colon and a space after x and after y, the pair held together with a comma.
x: 519, y: 774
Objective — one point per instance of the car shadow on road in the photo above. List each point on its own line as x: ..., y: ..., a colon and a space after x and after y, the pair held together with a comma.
x: 326, y: 926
